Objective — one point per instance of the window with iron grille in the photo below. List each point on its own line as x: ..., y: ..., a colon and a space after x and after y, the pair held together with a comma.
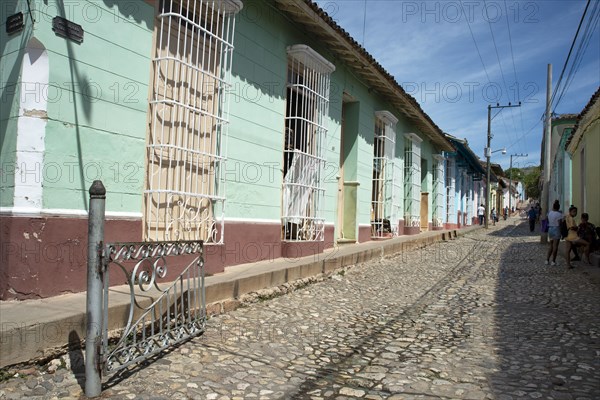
x: 450, y: 191
x: 191, y: 64
x: 384, y: 208
x: 468, y: 197
x: 438, y: 191
x: 307, y: 105
x: 412, y: 180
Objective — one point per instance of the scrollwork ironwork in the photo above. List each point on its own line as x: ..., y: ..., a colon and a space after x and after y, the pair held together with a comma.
x: 131, y: 251
x: 177, y: 310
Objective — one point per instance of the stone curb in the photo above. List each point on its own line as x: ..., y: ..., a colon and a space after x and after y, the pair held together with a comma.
x: 34, y: 331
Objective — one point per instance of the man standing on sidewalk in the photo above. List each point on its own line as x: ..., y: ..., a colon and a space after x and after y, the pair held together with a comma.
x: 481, y: 213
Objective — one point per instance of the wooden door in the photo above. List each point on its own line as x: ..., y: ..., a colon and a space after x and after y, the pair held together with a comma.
x: 424, y: 212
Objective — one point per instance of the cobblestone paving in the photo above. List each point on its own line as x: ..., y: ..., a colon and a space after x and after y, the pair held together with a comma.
x: 480, y: 317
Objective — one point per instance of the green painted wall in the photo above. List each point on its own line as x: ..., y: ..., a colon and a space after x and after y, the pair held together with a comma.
x: 98, y: 105
x: 97, y: 102
x: 257, y: 119
x: 12, y: 48
x: 257, y: 104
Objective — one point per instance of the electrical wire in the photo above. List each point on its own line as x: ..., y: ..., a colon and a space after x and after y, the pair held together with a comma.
x: 580, y: 52
x: 30, y: 13
x: 526, y: 133
x: 512, y: 55
x: 475, y: 41
x: 364, y: 24
x: 501, y: 69
x: 570, y: 51
x: 557, y: 87
x: 495, y: 47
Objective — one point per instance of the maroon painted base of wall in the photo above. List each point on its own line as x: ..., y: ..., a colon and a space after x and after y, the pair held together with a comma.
x: 246, y: 242
x: 364, y: 234
x: 459, y: 219
x: 293, y: 250
x: 438, y: 228
x: 47, y: 256
x: 329, y: 236
x: 401, y: 227
x: 412, y: 230
x: 451, y: 226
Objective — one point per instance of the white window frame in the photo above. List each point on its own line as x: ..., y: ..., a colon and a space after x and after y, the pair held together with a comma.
x: 184, y: 197
x: 306, y: 116
x: 412, y: 180
x: 468, y: 198
x: 450, y: 190
x: 438, y: 191
x: 384, y: 207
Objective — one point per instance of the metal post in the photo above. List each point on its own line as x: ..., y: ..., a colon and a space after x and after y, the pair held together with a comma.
x: 510, y: 177
x: 93, y: 379
x: 488, y: 156
x: 510, y: 186
x: 547, y: 152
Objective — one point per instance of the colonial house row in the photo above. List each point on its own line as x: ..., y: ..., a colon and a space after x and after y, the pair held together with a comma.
x: 465, y: 184
x: 260, y: 127
x: 560, y: 177
x: 574, y: 165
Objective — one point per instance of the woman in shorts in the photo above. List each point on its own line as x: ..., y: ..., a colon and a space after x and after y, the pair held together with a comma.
x: 572, y: 238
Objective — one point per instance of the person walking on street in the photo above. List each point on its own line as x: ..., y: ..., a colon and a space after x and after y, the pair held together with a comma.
x: 532, y: 215
x: 554, y: 218
x: 572, y: 238
x: 494, y: 216
x: 481, y: 214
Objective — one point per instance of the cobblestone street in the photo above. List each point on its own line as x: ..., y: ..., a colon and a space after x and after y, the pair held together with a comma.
x: 480, y: 317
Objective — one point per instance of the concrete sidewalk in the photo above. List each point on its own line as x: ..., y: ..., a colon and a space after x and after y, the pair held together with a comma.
x: 39, y: 329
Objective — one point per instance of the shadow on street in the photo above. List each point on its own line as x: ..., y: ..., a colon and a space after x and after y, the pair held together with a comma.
x: 546, y: 324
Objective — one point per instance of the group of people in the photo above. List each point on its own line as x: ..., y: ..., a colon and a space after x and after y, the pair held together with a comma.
x: 493, y: 214
x: 575, y: 235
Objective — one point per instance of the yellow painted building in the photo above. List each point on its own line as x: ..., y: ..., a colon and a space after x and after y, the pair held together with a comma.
x: 584, y: 148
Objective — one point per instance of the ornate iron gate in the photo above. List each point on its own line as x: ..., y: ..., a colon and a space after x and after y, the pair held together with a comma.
x: 164, y: 301
x: 159, y: 315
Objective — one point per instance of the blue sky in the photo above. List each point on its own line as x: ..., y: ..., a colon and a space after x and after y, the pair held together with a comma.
x: 428, y: 47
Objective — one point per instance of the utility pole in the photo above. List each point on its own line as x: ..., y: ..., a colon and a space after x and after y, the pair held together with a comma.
x: 547, y: 152
x: 510, y: 178
x: 488, y: 156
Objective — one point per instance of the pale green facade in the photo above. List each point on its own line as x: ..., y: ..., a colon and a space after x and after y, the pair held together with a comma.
x: 11, y: 55
x: 97, y: 95
x: 98, y: 104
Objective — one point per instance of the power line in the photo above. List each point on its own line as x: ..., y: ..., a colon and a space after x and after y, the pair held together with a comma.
x: 495, y: 47
x: 475, y: 42
x: 364, y: 23
x: 512, y: 55
x: 499, y: 63
x: 556, y: 89
x: 583, y: 45
x: 570, y: 51
x: 526, y: 133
